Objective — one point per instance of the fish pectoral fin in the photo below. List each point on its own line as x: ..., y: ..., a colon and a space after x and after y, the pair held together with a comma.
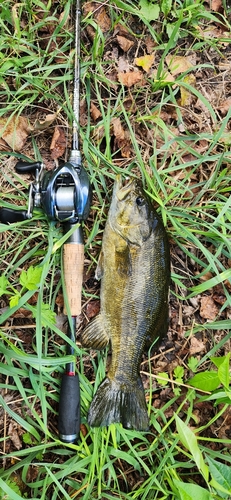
x: 99, y: 270
x: 123, y: 260
x: 94, y: 335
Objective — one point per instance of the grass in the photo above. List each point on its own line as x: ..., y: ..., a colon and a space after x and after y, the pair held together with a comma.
x: 186, y: 453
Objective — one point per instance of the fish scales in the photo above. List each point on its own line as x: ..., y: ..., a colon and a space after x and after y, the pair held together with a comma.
x: 134, y: 270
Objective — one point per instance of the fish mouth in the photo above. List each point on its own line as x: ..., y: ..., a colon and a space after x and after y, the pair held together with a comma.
x: 121, y: 190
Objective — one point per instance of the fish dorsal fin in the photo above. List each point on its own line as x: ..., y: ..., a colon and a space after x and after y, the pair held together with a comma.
x: 94, y: 335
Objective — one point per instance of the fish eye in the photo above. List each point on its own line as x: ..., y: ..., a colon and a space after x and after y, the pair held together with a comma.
x: 140, y: 201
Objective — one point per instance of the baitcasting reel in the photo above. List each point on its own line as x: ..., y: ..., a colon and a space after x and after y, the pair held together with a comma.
x: 64, y: 193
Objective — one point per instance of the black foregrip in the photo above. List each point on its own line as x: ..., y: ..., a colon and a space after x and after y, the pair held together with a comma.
x: 23, y: 167
x: 69, y: 409
x: 8, y: 215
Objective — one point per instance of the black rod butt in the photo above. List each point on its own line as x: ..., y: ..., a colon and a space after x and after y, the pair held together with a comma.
x: 69, y: 409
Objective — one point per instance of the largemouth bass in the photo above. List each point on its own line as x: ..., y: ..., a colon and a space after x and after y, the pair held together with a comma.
x: 134, y: 270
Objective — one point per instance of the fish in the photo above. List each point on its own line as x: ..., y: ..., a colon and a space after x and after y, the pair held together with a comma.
x: 134, y: 269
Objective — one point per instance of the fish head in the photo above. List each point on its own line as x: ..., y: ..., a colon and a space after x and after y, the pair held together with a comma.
x: 131, y: 213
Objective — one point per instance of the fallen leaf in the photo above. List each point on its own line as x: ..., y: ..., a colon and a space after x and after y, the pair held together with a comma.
x: 121, y: 29
x: 92, y: 308
x: 59, y: 300
x: 123, y: 65
x: 14, y: 131
x: 103, y: 20
x: 196, y: 346
x: 219, y: 298
x: 150, y: 44
x: 122, y: 138
x: 208, y: 309
x: 124, y: 43
x: 100, y: 16
x: 187, y: 97
x: 13, y: 435
x: 117, y: 128
x: 83, y: 114
x: 178, y: 64
x: 164, y: 77
x: 219, y: 292
x: 4, y: 146
x: 224, y: 107
x: 145, y: 62
x: 188, y: 311
x: 215, y: 33
x: 216, y: 5
x: 83, y: 429
x: 130, y: 78
x: 44, y: 124
x: 95, y: 112
x: 207, y: 276
x: 58, y: 143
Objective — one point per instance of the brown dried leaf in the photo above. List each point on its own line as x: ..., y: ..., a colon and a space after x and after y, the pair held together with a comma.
x: 150, y: 44
x: 99, y: 14
x: 178, y: 64
x: 122, y: 138
x: 83, y: 114
x: 224, y: 107
x: 216, y: 5
x: 208, y: 309
x: 213, y: 32
x: 95, y: 112
x: 14, y: 131
x: 207, y: 276
x: 83, y: 429
x: 13, y: 435
x: 117, y: 128
x: 219, y: 293
x: 103, y: 20
x: 124, y: 43
x: 165, y: 77
x: 121, y: 30
x: 59, y: 300
x: 44, y: 124
x: 196, y: 346
x: 92, y: 308
x: 130, y: 78
x: 4, y: 146
x: 58, y: 143
x: 123, y: 65
x: 219, y: 298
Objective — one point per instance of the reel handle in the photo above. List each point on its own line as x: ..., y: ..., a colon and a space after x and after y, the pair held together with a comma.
x: 22, y: 167
x: 8, y: 215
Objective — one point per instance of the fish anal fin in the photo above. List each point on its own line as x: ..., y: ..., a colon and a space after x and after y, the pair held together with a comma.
x: 94, y: 335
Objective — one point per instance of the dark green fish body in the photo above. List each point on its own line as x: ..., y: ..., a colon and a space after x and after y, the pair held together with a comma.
x: 134, y: 272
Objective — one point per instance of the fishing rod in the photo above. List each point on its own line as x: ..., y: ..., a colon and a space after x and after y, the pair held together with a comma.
x: 65, y: 196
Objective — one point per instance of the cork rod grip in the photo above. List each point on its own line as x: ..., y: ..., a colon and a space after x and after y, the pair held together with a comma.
x: 73, y: 260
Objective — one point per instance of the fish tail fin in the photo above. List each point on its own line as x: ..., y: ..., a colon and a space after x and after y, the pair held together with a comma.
x: 119, y: 402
